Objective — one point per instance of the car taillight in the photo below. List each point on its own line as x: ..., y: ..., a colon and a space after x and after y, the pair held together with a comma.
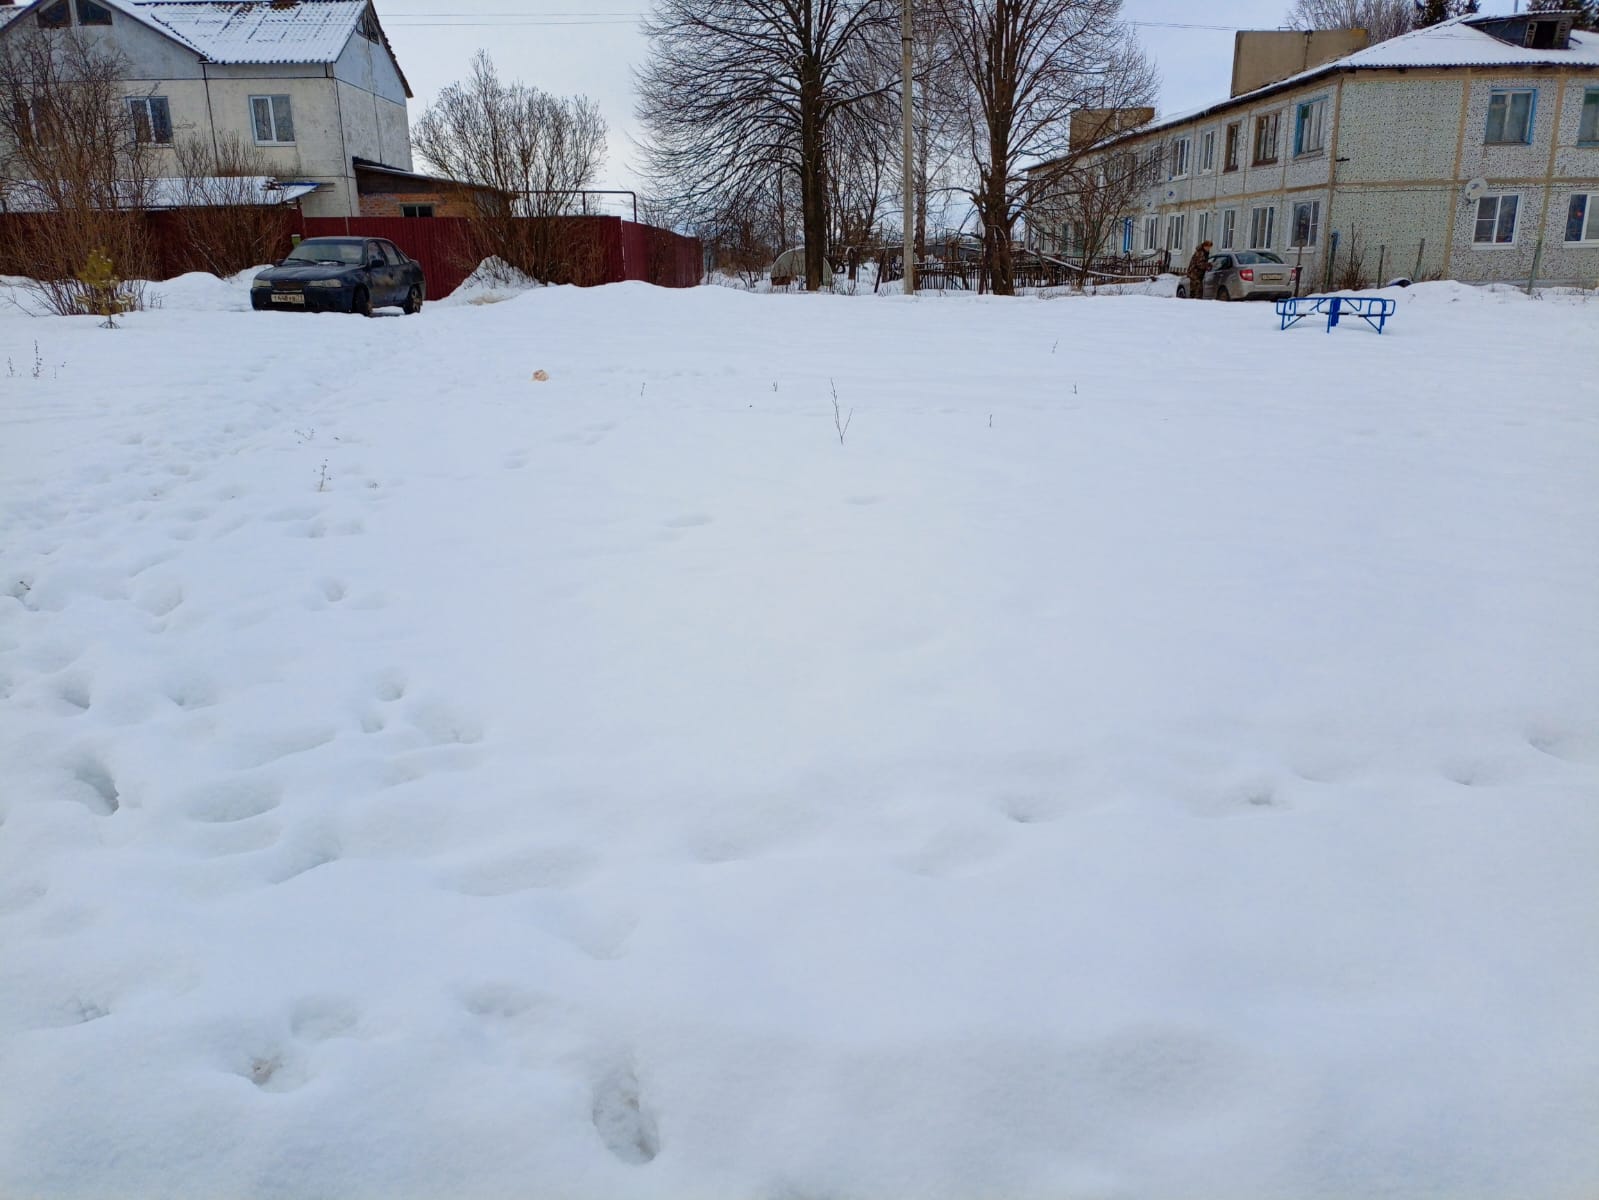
x: 1247, y: 275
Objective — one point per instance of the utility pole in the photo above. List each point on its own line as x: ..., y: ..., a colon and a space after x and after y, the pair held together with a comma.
x: 909, y: 159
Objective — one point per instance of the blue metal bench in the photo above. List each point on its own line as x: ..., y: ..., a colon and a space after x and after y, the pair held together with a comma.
x: 1374, y: 310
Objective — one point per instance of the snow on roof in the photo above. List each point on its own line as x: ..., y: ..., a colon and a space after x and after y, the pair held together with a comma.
x: 224, y: 190
x: 255, y: 31
x: 1453, y: 43
x: 203, y: 192
x: 1458, y: 43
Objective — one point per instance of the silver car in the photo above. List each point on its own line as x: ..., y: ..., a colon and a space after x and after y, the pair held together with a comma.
x: 1245, y: 275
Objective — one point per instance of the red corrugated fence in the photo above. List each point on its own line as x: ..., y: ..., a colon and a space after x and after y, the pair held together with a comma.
x: 597, y: 250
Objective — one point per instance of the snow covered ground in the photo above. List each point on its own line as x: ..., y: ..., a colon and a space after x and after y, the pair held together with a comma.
x: 1153, y: 756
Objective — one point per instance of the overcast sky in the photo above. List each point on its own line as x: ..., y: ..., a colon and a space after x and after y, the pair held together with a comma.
x: 592, y: 47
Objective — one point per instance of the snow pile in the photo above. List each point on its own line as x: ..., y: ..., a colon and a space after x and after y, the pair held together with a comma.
x: 493, y: 281
x: 1102, y: 773
x: 201, y: 292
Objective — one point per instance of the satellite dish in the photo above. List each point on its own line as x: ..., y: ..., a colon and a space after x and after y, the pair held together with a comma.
x: 1475, y: 188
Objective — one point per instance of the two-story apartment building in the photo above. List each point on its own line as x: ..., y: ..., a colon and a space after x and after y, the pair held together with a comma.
x: 310, y: 85
x: 1467, y: 150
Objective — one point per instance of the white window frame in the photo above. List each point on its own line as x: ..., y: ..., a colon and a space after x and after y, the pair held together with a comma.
x: 141, y: 108
x: 1497, y: 200
x: 1152, y: 233
x: 1590, y: 104
x: 1315, y: 225
x: 1310, y: 115
x: 1256, y: 242
x: 1589, y: 234
x: 1507, y: 96
x: 1204, y: 228
x: 1175, y: 228
x: 272, y: 109
x: 1229, y: 228
x: 1207, y: 152
x: 1181, y: 149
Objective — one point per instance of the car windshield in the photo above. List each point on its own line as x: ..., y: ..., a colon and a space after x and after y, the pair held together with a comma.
x: 345, y: 254
x: 1248, y: 257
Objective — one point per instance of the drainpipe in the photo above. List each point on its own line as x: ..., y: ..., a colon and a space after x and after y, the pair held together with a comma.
x: 344, y: 157
x: 210, y: 112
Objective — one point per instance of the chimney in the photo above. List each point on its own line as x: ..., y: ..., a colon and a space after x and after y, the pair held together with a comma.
x: 1090, y: 126
x: 1265, y: 56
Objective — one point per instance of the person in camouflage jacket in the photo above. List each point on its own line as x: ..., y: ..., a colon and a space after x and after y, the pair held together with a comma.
x: 1198, y: 265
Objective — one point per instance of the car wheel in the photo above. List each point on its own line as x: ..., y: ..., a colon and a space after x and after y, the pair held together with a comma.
x: 1182, y: 291
x: 1223, y: 294
x: 361, y: 302
x: 413, y: 300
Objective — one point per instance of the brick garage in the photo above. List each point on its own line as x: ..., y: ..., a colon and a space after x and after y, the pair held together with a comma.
x: 391, y: 192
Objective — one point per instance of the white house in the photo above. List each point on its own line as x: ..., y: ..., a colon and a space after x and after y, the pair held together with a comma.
x: 1468, y: 150
x: 312, y: 85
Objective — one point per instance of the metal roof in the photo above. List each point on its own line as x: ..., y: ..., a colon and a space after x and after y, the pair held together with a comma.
x: 255, y: 31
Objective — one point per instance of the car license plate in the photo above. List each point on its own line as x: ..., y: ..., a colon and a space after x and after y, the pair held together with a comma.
x: 1271, y: 278
x: 288, y: 298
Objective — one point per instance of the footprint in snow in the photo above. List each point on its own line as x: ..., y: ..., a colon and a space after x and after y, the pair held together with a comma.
x: 624, y: 1124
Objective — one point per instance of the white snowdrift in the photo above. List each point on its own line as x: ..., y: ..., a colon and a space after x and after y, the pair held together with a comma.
x: 1152, y: 756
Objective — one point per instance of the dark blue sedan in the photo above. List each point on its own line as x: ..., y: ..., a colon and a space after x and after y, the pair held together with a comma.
x: 341, y: 274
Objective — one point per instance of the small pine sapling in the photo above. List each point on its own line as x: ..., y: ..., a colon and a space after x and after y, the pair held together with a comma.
x: 103, y: 295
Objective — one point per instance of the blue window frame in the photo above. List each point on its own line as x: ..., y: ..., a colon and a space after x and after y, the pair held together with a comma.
x: 1510, y: 116
x: 1310, y: 127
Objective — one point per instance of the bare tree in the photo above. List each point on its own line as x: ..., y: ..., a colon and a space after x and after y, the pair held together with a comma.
x: 1025, y: 66
x: 514, y: 139
x: 739, y: 92
x: 743, y: 242
x: 76, y: 162
x: 862, y: 177
x: 937, y: 129
x: 1094, y: 196
x: 1382, y: 19
x: 226, y: 210
x: 525, y: 154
